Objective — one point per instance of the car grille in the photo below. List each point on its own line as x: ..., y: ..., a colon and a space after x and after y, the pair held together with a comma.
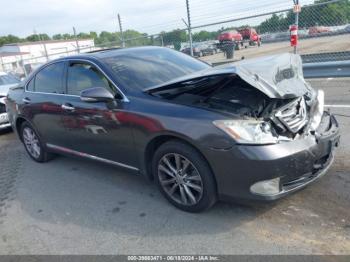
x: 293, y: 115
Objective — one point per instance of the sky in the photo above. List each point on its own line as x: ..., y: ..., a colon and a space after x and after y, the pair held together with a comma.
x: 22, y: 17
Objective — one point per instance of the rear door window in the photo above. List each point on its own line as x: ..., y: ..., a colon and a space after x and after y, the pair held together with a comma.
x: 50, y: 79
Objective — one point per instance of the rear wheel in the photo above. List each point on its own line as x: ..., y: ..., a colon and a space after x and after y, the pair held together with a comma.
x: 184, y: 177
x: 33, y: 144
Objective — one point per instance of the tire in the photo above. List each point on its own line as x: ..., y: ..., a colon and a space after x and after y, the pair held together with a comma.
x: 37, y: 152
x: 196, y: 177
x: 200, y: 54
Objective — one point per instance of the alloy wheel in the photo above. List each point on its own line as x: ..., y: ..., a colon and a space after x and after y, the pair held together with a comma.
x: 180, y: 179
x: 31, y: 142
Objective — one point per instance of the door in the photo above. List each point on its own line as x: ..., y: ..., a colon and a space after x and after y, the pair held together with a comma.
x: 96, y: 128
x: 42, y: 102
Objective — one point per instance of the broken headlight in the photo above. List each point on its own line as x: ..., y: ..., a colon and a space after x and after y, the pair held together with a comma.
x: 317, y: 111
x: 248, y: 131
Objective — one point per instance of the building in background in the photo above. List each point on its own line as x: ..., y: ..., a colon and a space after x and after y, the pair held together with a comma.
x: 10, y: 61
x: 15, y: 57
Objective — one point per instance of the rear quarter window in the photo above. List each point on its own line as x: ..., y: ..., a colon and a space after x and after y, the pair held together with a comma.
x: 30, y: 85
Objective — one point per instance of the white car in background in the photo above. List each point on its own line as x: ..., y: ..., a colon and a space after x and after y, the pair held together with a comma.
x: 6, y: 82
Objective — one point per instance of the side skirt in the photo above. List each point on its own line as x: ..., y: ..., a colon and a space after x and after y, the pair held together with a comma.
x: 85, y: 155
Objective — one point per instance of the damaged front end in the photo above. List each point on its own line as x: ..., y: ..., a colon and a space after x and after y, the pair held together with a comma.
x: 280, y: 120
x: 284, y: 140
x: 266, y: 100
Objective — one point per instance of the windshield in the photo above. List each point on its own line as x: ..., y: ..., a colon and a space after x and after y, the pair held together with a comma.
x: 8, y: 80
x: 144, y: 68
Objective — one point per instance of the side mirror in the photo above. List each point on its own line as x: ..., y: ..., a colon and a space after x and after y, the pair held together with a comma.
x: 96, y: 94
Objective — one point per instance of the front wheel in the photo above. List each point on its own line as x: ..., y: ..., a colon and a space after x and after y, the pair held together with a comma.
x: 33, y: 144
x: 184, y: 177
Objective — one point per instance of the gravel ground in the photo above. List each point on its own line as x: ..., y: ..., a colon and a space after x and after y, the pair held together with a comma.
x: 75, y: 206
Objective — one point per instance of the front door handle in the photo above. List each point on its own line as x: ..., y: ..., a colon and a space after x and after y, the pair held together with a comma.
x: 26, y: 100
x: 68, y: 107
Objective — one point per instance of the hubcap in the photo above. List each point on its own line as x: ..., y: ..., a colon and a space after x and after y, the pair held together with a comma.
x: 31, y: 142
x: 180, y: 179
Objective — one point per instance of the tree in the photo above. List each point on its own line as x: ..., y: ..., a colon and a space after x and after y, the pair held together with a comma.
x: 93, y: 35
x: 67, y: 36
x: 136, y: 37
x: 175, y: 38
x: 9, y: 39
x: 83, y: 36
x: 272, y: 24
x: 204, y: 35
x: 337, y: 13
x: 57, y: 37
x: 37, y: 37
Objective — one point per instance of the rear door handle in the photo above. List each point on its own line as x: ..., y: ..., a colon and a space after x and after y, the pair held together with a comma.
x: 68, y: 107
x: 26, y: 100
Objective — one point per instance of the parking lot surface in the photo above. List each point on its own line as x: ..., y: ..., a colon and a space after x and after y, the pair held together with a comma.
x: 75, y: 206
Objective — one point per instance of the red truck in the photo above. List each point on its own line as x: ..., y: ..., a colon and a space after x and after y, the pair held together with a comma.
x: 241, y: 37
x: 232, y: 35
x: 250, y: 34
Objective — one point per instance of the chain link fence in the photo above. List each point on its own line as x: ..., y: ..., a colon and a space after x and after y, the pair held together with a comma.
x: 325, y: 32
x: 324, y: 35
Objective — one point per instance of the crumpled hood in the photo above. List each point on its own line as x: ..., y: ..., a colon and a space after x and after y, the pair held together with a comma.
x: 277, y: 76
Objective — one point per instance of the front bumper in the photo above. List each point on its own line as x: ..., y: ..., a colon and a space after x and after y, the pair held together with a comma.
x: 297, y: 163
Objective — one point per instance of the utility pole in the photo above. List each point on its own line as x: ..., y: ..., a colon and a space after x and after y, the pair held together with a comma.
x: 296, y: 11
x: 76, y: 40
x: 162, y: 40
x: 121, y: 31
x: 22, y: 63
x: 2, y: 64
x: 189, y: 26
x: 41, y: 42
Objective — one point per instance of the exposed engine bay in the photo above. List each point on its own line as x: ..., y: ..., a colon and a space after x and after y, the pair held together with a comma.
x: 267, y: 99
x: 289, y: 118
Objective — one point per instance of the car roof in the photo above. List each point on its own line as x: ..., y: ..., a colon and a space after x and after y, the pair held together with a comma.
x: 100, y: 54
